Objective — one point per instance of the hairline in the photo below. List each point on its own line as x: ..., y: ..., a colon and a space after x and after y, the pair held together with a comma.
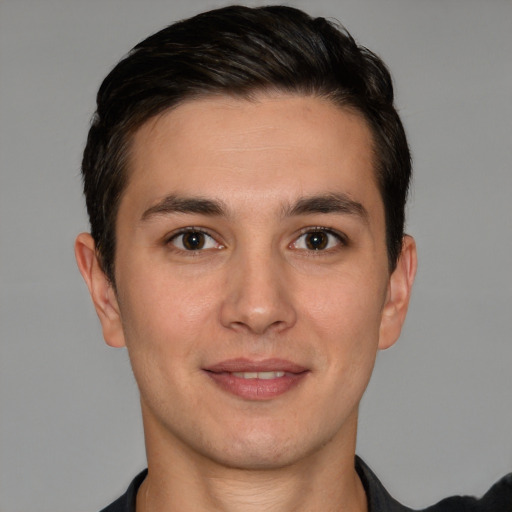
x: 343, y: 102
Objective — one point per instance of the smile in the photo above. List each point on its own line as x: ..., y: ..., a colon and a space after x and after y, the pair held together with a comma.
x: 259, y: 375
x: 256, y: 380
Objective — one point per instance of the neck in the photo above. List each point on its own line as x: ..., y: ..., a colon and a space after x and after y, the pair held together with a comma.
x: 180, y: 480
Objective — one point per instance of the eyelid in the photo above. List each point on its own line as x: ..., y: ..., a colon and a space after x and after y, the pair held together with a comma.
x: 169, y: 238
x: 191, y: 229
x: 340, y: 236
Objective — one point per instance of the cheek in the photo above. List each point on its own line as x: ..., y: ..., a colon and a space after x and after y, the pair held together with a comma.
x: 164, y: 325
x: 345, y: 317
x: 345, y: 306
x: 167, y: 299
x: 164, y: 313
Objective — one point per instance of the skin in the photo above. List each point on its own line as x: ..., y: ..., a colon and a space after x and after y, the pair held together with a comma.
x: 255, y: 291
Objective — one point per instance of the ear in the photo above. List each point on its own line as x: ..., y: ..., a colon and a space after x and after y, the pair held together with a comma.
x: 398, y: 295
x: 102, y: 292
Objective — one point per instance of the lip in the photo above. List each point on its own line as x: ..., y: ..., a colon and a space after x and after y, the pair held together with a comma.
x: 256, y: 389
x: 249, y: 365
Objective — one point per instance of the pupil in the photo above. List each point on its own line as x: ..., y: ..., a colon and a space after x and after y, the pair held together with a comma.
x: 316, y: 241
x: 193, y: 241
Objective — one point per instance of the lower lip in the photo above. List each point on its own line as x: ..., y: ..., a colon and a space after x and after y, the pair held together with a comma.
x: 256, y: 389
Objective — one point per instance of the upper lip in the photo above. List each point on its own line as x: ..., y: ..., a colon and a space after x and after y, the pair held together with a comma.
x: 249, y: 365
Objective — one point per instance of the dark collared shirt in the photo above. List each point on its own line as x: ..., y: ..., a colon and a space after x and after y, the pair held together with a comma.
x: 497, y: 499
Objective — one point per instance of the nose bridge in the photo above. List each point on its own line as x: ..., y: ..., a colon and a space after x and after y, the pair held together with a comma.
x: 257, y: 298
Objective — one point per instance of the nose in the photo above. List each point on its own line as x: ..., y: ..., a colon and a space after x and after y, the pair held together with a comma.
x: 258, y: 296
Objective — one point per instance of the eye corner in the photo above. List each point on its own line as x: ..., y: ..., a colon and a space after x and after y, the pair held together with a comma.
x: 192, y: 240
x: 319, y: 239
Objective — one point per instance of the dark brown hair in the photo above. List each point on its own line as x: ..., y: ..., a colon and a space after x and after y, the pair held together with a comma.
x: 240, y: 51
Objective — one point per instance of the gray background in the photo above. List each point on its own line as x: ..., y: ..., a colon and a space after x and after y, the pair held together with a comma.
x: 437, y: 418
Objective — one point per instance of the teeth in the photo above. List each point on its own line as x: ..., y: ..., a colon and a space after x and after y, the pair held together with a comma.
x: 258, y: 375
x: 246, y: 375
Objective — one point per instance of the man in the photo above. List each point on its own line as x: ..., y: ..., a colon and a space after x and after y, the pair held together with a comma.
x: 245, y: 177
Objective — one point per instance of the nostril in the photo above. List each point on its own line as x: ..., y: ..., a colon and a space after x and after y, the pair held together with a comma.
x: 256, y: 299
x: 259, y: 326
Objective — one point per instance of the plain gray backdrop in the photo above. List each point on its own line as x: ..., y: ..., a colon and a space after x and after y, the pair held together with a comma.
x: 437, y: 417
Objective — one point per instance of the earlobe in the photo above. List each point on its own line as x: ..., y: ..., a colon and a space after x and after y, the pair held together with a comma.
x: 101, y: 290
x: 399, y: 294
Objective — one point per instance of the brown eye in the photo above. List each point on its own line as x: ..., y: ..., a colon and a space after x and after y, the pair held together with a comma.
x: 191, y: 240
x: 316, y: 241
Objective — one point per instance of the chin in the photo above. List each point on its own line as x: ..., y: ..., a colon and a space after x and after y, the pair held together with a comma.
x: 252, y: 456
x: 260, y: 449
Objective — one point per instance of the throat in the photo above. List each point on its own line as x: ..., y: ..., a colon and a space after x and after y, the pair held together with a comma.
x: 253, y: 491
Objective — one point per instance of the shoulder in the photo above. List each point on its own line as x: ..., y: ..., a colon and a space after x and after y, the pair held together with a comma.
x: 126, y: 503
x: 497, y: 499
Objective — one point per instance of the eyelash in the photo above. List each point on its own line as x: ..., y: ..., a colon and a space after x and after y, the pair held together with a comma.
x: 340, y: 237
x: 169, y: 240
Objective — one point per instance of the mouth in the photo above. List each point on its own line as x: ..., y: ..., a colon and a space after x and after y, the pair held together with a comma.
x: 259, y: 375
x: 256, y: 380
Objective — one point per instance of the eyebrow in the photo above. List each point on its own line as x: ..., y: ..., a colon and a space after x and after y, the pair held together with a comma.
x: 328, y: 203
x: 338, y: 203
x: 178, y: 204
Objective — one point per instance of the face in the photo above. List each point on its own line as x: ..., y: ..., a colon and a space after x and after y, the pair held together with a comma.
x: 252, y: 278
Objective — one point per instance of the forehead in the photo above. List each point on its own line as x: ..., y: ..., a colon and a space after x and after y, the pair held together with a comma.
x: 276, y: 146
